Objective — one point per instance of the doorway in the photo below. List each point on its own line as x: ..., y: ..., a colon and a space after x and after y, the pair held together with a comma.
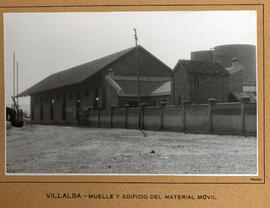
x: 63, y: 107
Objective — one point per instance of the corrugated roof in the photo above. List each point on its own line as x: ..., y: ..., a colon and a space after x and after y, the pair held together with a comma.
x: 74, y: 75
x: 202, y: 67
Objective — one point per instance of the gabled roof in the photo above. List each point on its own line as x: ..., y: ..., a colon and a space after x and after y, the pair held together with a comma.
x: 74, y: 75
x: 201, y: 67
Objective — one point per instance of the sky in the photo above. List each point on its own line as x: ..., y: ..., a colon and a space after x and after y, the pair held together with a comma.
x: 46, y: 43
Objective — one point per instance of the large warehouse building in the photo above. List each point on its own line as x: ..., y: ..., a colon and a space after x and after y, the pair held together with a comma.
x: 102, y: 83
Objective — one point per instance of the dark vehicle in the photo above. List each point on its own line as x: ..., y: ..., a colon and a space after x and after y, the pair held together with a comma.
x: 14, y: 117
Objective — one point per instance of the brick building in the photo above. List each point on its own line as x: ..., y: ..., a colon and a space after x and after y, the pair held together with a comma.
x: 197, y: 81
x: 102, y: 83
x: 240, y: 61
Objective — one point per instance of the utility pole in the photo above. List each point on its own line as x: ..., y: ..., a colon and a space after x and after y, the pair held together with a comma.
x: 14, y: 74
x: 138, y: 78
x: 17, y: 83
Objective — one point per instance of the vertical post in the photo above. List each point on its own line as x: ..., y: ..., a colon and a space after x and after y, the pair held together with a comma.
x: 138, y: 78
x: 162, y: 105
x: 212, y: 102
x: 112, y: 108
x: 17, y: 84
x: 244, y: 100
x: 99, y: 109
x: 126, y: 115
x: 14, y: 77
x: 142, y: 115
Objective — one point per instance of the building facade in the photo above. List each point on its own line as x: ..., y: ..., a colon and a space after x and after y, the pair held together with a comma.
x: 240, y: 61
x: 197, y: 81
x: 102, y: 83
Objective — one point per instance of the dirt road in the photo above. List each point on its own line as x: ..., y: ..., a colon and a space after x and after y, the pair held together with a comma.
x: 59, y: 149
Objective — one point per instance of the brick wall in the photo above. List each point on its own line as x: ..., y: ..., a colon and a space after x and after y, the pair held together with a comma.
x: 197, y: 88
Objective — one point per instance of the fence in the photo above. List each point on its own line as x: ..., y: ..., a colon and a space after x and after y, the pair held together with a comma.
x: 218, y: 118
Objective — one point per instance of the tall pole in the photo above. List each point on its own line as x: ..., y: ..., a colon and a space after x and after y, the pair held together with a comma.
x: 17, y: 83
x: 138, y: 78
x: 14, y: 74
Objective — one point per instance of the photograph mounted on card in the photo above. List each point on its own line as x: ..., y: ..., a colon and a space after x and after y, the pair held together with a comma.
x: 134, y: 96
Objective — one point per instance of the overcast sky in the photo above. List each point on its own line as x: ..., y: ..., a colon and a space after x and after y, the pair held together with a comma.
x: 46, y: 43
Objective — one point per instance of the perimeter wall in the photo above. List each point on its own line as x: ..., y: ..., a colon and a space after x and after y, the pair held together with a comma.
x: 217, y: 118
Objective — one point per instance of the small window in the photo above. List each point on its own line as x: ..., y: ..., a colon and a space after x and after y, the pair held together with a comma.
x: 164, y: 101
x: 199, y: 82
x: 133, y: 103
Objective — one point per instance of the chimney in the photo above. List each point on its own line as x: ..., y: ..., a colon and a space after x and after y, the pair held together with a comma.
x: 235, y: 62
x: 110, y: 72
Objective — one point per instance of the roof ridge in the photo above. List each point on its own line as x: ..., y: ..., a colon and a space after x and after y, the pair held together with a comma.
x: 96, y: 60
x: 85, y: 70
x: 197, y: 66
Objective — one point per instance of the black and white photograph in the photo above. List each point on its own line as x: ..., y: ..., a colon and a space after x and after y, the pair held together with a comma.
x: 131, y: 93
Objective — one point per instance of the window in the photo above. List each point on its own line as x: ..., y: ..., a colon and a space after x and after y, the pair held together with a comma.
x: 133, y: 103
x: 164, y: 101
x: 200, y: 81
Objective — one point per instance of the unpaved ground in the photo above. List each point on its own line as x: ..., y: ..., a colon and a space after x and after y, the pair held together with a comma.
x: 58, y: 149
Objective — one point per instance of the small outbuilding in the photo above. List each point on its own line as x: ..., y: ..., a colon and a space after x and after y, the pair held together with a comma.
x: 197, y: 81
